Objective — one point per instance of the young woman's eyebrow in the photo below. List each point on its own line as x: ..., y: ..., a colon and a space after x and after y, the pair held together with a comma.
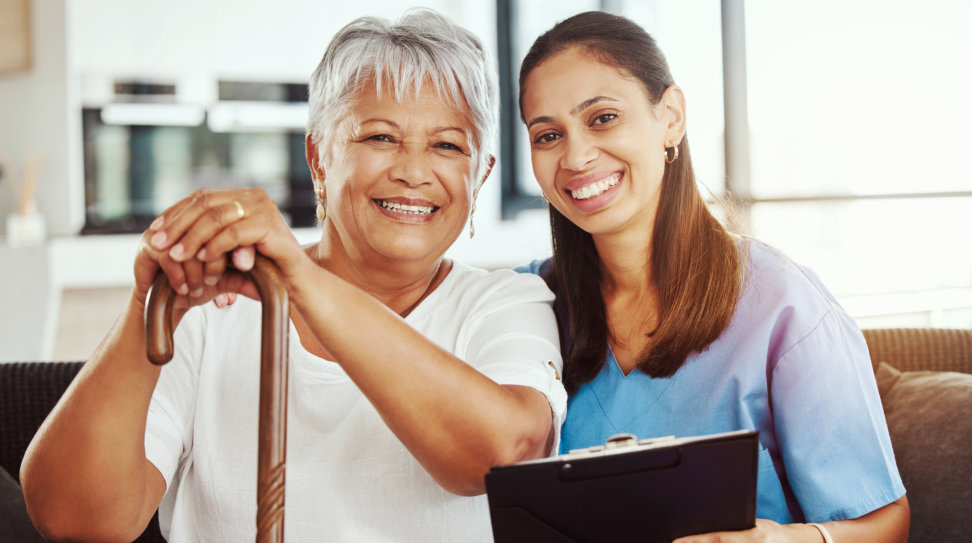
x: 577, y: 109
x: 590, y: 102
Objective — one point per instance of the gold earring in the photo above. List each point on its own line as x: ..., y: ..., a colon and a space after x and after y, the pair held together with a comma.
x: 472, y: 227
x: 321, y: 205
x: 674, y: 156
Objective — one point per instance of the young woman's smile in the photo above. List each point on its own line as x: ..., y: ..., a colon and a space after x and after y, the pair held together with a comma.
x: 593, y: 192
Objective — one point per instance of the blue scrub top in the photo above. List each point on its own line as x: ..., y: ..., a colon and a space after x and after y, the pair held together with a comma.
x: 793, y: 365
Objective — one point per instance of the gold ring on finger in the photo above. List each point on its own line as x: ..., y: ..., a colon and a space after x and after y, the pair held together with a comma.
x: 240, y: 212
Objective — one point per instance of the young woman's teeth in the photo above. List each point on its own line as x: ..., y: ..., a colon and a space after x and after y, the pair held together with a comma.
x: 417, y: 210
x: 595, y: 189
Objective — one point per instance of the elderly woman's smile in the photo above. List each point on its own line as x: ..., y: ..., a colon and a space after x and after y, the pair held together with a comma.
x: 407, y: 209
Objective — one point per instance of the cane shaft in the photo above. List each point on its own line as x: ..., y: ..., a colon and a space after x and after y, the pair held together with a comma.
x: 272, y: 452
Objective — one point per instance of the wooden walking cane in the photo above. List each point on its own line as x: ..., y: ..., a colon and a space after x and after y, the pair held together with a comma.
x: 273, y: 383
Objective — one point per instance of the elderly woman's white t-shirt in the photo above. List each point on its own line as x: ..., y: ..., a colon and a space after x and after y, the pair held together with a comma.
x: 348, y: 476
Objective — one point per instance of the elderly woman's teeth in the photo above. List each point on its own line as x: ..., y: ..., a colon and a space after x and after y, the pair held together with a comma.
x: 418, y: 210
x: 595, y: 189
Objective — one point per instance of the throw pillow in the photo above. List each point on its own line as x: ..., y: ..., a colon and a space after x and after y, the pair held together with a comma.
x: 929, y: 415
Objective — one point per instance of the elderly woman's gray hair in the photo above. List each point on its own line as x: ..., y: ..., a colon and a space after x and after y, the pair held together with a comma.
x: 422, y: 47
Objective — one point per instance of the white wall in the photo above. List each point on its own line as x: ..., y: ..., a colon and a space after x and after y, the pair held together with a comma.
x: 37, y: 114
x: 280, y: 40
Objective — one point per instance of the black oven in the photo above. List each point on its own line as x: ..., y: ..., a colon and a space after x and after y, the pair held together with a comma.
x: 145, y: 150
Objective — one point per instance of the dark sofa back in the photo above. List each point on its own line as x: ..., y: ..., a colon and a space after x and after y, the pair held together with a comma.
x: 28, y: 392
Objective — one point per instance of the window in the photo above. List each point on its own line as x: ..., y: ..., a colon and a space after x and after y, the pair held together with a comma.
x: 837, y: 130
x: 858, y: 127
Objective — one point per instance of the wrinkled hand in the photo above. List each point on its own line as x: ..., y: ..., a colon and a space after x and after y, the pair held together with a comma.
x: 191, y: 242
x: 766, y: 531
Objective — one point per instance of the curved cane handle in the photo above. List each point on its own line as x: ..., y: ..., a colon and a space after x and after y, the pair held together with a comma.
x: 272, y: 452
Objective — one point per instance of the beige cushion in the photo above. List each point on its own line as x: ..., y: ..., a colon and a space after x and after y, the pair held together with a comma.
x: 929, y: 416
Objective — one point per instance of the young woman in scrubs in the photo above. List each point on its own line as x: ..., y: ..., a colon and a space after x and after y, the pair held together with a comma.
x: 673, y: 325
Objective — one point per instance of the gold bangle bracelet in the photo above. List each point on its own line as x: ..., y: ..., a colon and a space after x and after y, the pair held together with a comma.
x: 823, y: 531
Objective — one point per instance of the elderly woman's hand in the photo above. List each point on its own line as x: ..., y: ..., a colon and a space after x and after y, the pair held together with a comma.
x: 190, y: 242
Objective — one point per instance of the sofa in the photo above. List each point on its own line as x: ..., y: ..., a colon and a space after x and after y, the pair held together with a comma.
x: 924, y: 376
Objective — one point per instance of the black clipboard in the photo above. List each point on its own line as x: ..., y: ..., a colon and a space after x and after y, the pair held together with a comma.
x: 652, y: 490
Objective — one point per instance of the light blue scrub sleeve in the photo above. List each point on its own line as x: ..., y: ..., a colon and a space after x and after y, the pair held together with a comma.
x: 830, y: 424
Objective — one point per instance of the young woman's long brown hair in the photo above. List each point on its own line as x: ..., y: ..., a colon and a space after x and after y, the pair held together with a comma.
x: 693, y: 260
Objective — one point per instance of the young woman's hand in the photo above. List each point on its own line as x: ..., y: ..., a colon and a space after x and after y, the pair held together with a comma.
x: 765, y: 531
x: 888, y: 524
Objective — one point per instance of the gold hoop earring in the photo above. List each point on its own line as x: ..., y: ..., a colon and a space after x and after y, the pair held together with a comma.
x: 674, y: 155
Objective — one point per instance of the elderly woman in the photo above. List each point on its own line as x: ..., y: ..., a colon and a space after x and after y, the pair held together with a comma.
x: 410, y: 375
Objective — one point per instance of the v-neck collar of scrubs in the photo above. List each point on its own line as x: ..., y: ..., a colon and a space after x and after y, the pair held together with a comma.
x: 625, y: 397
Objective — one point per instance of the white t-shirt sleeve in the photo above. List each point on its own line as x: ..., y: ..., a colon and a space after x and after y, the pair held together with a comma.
x: 513, y: 340
x: 168, y: 429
